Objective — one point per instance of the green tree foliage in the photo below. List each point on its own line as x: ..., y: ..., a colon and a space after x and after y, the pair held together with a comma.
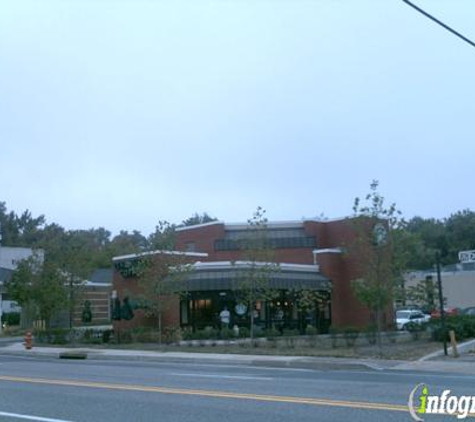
x: 379, y: 232
x: 39, y: 288
x: 159, y: 276
x: 163, y: 238
x: 424, y: 294
x: 255, y: 279
x: 157, y: 283
x: 308, y: 300
x: 448, y: 236
x: 198, y: 219
x: 19, y: 230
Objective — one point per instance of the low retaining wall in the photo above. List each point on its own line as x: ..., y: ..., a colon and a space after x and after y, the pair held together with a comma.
x: 326, y: 341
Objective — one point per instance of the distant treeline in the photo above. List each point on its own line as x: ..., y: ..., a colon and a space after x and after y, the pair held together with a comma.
x: 96, y: 246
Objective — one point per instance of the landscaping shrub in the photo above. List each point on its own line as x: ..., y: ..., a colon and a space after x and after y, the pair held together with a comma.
x: 123, y: 337
x: 288, y: 332
x: 201, y: 335
x: 226, y: 333
x: 53, y: 336
x: 106, y: 336
x: 271, y: 333
x: 310, y: 330
x: 11, y: 318
x: 244, y: 332
x: 351, y: 334
x: 187, y: 334
x: 259, y: 332
x: 212, y: 333
x: 140, y: 334
x: 371, y: 334
x: 171, y: 335
x: 462, y: 325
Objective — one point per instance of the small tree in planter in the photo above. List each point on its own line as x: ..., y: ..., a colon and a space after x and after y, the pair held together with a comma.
x: 307, y: 300
x: 351, y: 334
x: 159, y: 276
x: 255, y: 280
x: 380, y: 247
x: 40, y: 289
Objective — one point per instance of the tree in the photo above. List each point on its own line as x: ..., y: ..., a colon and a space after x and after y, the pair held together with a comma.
x: 424, y: 294
x: 19, y: 230
x: 159, y: 275
x: 39, y: 289
x: 255, y: 278
x: 198, y: 219
x: 307, y: 300
x: 378, y: 246
x: 163, y: 238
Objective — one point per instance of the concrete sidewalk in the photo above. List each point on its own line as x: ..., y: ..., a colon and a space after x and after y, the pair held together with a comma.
x: 446, y: 365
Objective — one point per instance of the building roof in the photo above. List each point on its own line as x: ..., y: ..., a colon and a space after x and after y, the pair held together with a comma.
x: 270, y: 225
x: 157, y: 252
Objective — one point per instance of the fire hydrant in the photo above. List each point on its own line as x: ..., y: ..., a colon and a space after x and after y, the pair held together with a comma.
x: 28, y: 342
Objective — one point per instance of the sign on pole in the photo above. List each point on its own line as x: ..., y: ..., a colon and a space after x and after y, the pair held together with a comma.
x: 467, y: 257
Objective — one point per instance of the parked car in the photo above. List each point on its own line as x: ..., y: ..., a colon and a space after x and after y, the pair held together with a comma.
x: 448, y: 312
x: 406, y: 316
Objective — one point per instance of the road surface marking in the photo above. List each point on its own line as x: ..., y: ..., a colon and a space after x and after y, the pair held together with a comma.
x: 226, y: 377
x: 211, y: 393
x: 31, y: 418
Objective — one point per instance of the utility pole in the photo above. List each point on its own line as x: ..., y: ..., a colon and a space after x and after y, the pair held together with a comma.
x: 441, y: 303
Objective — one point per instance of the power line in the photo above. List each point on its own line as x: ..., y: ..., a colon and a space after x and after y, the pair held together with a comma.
x: 448, y: 28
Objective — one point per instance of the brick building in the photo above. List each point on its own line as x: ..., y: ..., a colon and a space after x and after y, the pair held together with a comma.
x: 310, y: 255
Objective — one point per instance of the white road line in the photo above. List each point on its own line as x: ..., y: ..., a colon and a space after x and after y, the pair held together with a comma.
x: 237, y: 377
x: 31, y: 418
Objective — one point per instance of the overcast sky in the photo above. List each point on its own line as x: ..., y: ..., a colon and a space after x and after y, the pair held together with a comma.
x: 121, y: 113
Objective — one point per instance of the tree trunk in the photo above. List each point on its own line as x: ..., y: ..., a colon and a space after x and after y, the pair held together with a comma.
x: 159, y: 328
x: 252, y: 325
x: 379, y: 328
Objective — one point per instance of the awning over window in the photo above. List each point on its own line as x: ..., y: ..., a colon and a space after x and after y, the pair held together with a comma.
x: 233, y: 278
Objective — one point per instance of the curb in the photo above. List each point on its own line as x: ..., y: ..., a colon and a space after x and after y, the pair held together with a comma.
x: 320, y: 364
x: 464, y: 347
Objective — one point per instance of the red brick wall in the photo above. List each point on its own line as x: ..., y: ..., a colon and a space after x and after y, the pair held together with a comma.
x: 202, y: 237
x: 346, y: 309
x: 99, y: 297
x: 129, y: 286
x: 339, y: 268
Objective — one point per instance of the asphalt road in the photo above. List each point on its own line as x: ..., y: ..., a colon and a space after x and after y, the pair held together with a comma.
x: 102, y: 391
